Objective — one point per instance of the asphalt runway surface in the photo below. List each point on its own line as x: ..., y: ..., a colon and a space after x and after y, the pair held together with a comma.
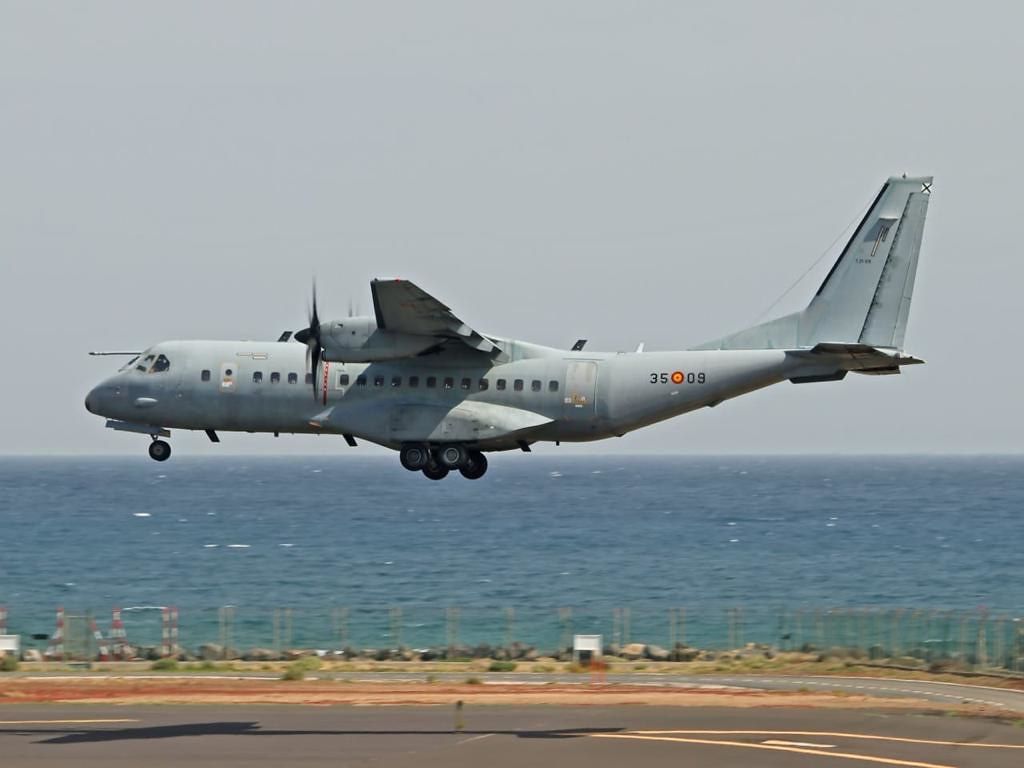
x: 499, y: 736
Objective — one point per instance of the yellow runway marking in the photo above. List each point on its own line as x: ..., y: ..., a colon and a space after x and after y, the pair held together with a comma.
x: 63, y: 722
x: 830, y: 734
x: 798, y: 750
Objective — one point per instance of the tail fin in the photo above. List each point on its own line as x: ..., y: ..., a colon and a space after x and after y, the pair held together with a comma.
x: 865, y: 298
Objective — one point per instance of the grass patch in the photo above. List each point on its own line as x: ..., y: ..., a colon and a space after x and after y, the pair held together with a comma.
x: 547, y: 668
x: 502, y: 666
x: 170, y: 664
x: 474, y: 681
x: 8, y: 663
x: 294, y: 673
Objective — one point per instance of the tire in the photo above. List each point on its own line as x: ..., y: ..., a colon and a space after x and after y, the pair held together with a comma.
x: 159, y: 450
x: 452, y: 456
x: 476, y: 467
x: 435, y: 471
x: 414, y: 457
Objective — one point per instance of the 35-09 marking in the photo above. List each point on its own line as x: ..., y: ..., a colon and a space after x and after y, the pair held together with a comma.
x: 678, y: 377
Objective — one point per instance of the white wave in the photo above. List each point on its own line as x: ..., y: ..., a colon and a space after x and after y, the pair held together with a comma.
x: 239, y: 546
x: 141, y: 514
x: 555, y: 474
x: 733, y: 541
x: 286, y: 545
x: 210, y: 546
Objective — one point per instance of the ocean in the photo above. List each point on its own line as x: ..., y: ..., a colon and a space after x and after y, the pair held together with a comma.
x: 348, y: 550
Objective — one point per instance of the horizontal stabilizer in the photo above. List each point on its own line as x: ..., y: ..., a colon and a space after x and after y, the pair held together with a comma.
x: 859, y: 358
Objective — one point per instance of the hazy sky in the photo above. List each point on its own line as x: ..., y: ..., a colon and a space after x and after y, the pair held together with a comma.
x: 625, y: 172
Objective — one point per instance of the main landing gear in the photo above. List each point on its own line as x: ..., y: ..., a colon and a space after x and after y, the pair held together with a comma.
x: 159, y: 450
x: 437, y: 463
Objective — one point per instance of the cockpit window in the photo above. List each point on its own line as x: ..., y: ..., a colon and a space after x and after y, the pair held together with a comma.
x: 162, y: 364
x: 144, y: 365
x: 129, y: 364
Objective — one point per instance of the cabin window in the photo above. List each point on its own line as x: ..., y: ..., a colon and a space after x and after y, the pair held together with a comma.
x: 378, y: 381
x: 257, y: 377
x: 466, y: 383
x: 414, y: 381
x: 293, y: 378
x: 449, y: 382
x: 552, y: 386
x: 484, y: 384
x: 309, y: 378
x: 518, y: 385
x: 501, y: 384
x: 205, y: 375
x: 343, y: 380
x: 360, y: 381
x: 431, y: 382
x: 275, y: 377
x: 396, y: 381
x: 535, y: 385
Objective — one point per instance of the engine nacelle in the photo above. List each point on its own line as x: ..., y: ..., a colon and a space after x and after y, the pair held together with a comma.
x: 359, y: 340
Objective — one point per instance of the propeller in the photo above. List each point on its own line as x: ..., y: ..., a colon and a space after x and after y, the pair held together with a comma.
x: 311, y: 338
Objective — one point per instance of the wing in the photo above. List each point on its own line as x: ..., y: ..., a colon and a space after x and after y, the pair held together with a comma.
x: 404, y: 307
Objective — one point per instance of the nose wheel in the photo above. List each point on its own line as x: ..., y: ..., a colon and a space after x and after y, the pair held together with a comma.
x: 159, y: 450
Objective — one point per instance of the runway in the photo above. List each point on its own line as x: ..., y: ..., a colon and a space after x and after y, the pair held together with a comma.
x: 498, y: 736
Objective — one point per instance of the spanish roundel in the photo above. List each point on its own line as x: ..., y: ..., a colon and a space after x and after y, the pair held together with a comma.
x: 678, y: 377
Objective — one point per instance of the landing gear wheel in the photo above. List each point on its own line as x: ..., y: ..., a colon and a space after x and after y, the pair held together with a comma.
x: 475, y: 467
x: 414, y: 457
x: 452, y: 456
x: 435, y: 471
x: 159, y: 450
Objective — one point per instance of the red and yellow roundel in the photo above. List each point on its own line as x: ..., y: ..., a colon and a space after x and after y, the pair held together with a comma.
x: 678, y: 377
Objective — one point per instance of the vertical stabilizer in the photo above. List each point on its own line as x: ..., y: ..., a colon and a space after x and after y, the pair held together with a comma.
x: 866, y: 296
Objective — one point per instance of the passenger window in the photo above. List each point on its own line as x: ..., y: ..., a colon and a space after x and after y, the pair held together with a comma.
x: 535, y: 385
x: 257, y: 377
x: 449, y: 382
x: 343, y: 380
x: 518, y: 385
x: 161, y: 365
x: 501, y: 384
x: 396, y: 381
x: 309, y: 378
x: 484, y: 384
x: 378, y: 381
x: 414, y: 381
x: 275, y: 378
x: 360, y: 381
x: 293, y: 378
x: 465, y: 383
x: 552, y: 386
x: 431, y: 382
x: 205, y: 375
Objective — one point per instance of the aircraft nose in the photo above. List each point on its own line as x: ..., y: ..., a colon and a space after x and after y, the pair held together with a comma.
x: 92, y: 400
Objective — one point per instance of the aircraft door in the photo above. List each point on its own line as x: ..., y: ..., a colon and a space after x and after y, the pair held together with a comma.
x: 580, y: 398
x: 228, y: 377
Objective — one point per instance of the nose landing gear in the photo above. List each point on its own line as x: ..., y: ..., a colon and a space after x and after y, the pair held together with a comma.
x: 159, y: 450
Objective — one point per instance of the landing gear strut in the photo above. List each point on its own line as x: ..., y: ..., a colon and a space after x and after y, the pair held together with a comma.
x: 159, y: 450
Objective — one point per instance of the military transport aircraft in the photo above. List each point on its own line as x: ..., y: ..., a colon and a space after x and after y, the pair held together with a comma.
x: 416, y: 378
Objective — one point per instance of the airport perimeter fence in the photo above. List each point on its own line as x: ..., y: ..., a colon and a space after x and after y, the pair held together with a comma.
x: 963, y: 639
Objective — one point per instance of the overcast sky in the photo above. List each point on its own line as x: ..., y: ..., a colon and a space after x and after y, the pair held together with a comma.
x: 624, y: 172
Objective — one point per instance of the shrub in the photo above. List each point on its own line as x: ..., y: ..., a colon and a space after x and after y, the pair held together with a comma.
x: 294, y: 672
x: 474, y: 681
x: 307, y: 663
x: 170, y: 664
x: 8, y: 663
x: 502, y: 666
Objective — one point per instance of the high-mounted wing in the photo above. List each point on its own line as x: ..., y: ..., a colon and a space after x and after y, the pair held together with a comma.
x: 404, y: 307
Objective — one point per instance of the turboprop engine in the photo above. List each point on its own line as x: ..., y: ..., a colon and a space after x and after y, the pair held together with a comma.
x: 359, y: 340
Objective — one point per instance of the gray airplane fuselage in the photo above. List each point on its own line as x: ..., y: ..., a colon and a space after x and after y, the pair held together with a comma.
x: 562, y: 396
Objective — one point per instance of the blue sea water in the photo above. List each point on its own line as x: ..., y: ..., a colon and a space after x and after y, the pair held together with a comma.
x: 344, y: 541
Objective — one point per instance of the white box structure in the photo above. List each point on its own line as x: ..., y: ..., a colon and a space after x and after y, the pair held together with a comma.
x: 589, y: 644
x: 10, y: 643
